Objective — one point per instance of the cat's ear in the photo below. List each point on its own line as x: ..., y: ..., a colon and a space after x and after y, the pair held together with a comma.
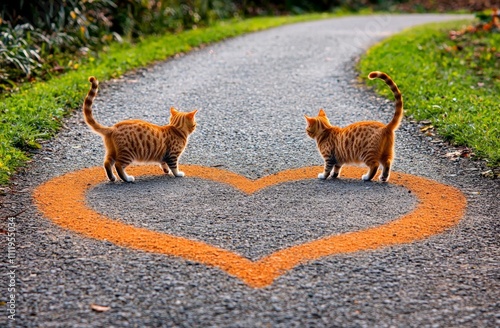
x: 310, y: 120
x: 190, y: 115
x: 173, y: 111
x: 321, y: 112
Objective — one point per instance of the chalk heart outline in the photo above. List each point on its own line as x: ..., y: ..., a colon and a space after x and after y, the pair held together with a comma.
x: 62, y: 200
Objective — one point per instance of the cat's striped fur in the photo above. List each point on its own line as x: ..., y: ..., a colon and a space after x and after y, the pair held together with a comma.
x: 137, y: 140
x: 368, y: 142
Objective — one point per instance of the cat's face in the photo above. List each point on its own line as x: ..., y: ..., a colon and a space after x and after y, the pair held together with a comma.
x: 316, y: 125
x: 183, y: 120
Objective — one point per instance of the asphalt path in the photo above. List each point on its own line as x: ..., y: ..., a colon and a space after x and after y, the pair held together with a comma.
x: 252, y: 93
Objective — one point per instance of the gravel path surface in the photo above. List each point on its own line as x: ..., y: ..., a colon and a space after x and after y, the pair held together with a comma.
x: 252, y: 93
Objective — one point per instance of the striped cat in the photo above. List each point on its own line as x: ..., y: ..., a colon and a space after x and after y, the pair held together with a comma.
x: 368, y: 142
x: 140, y: 141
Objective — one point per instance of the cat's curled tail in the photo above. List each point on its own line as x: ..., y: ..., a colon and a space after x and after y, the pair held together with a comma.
x: 398, y: 115
x: 87, y: 109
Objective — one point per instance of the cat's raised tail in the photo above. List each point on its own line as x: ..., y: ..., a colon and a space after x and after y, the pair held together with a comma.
x: 398, y: 115
x: 87, y: 109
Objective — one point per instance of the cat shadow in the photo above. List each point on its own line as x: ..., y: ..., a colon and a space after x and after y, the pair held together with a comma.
x: 358, y: 183
x: 150, y: 182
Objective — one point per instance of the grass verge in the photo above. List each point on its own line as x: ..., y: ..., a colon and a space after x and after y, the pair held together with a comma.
x: 453, y: 83
x: 36, y: 111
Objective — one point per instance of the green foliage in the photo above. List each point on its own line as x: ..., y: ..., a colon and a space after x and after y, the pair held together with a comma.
x: 136, y: 18
x: 303, y: 6
x: 15, y: 50
x: 36, y: 36
x: 453, y: 83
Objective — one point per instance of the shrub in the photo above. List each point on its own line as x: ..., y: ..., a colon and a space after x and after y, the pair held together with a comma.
x: 34, y: 35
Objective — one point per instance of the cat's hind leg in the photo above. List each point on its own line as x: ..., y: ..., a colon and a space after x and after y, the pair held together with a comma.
x: 386, y: 171
x: 108, y: 166
x: 120, y: 169
x: 373, y: 167
x: 336, y: 171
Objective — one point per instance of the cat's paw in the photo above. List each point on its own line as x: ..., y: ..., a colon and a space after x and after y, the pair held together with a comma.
x: 322, y: 176
x: 179, y: 174
x: 130, y: 178
x: 366, y: 177
x: 384, y: 179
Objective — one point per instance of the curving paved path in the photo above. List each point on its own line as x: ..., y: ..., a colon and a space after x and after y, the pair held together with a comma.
x: 252, y: 93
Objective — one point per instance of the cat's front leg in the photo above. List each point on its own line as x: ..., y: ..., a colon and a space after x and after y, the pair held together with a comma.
x: 171, y: 161
x: 330, y: 162
x: 165, y: 168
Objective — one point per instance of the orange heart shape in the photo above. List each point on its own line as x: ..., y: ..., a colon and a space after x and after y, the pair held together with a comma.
x: 62, y: 199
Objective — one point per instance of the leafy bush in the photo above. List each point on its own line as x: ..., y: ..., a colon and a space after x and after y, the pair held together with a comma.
x: 36, y: 35
x: 136, y: 18
x: 15, y: 52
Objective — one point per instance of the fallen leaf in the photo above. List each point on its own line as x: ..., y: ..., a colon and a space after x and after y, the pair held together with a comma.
x: 99, y: 308
x: 488, y: 173
x: 463, y: 152
x: 467, y: 153
x: 453, y: 154
x: 425, y: 128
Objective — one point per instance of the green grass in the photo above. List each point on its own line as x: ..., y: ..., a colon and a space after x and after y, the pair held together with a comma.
x: 453, y: 83
x: 36, y: 111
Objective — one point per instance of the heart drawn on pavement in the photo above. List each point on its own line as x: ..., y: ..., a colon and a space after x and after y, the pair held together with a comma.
x: 62, y: 200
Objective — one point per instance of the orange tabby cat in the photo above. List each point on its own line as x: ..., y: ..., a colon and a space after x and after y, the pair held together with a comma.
x: 136, y: 140
x: 369, y: 142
